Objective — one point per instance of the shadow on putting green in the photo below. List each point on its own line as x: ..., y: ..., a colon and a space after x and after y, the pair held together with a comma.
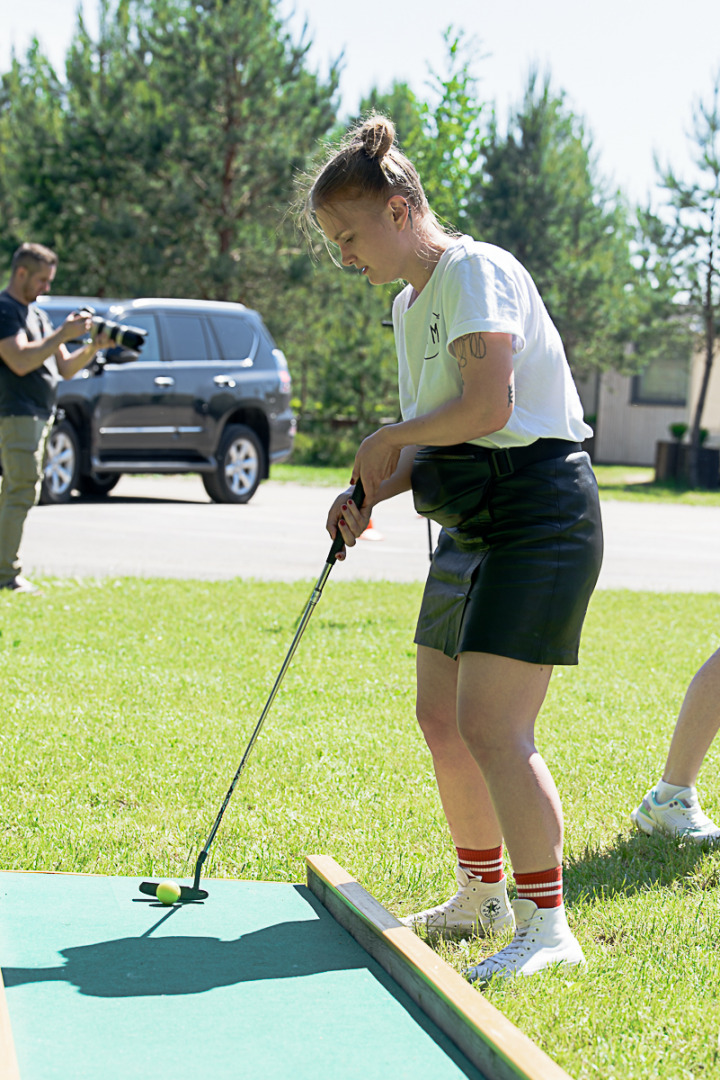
x: 148, y: 966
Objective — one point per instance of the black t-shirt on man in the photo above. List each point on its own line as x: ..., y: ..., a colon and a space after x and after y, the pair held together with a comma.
x: 32, y: 394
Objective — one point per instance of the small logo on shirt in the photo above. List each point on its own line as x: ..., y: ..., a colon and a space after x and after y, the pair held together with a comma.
x: 434, y: 339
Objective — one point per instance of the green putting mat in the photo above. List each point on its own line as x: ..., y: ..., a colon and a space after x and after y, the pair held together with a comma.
x: 259, y: 980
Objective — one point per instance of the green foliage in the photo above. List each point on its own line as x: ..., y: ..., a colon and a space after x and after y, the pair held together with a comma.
x: 539, y: 196
x: 341, y: 356
x: 345, y: 371
x: 162, y: 162
x: 442, y: 136
x: 31, y: 138
x: 682, y: 244
x: 241, y: 111
x: 159, y: 165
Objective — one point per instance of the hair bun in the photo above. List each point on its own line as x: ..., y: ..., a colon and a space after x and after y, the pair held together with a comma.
x: 377, y: 135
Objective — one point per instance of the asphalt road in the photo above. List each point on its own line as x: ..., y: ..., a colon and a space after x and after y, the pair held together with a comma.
x: 167, y: 527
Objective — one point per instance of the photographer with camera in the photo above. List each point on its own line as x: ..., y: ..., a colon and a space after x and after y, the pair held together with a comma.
x: 33, y: 358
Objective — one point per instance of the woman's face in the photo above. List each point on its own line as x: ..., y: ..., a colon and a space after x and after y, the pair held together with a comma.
x: 371, y: 236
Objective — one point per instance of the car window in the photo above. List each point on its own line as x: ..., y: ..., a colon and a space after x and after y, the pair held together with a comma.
x: 57, y: 316
x: 185, y: 338
x: 235, y: 335
x: 151, y: 346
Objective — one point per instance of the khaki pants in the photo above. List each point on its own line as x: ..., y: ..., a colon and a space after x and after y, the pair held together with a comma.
x: 22, y: 448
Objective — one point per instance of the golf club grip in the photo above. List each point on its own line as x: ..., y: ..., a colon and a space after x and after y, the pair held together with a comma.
x: 358, y: 497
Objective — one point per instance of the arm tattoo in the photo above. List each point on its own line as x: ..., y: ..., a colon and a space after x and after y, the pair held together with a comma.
x: 478, y: 348
x: 511, y: 395
x: 470, y: 346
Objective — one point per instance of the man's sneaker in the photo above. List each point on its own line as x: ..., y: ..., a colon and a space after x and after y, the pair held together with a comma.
x: 542, y: 939
x: 20, y: 584
x: 679, y: 816
x: 478, y: 908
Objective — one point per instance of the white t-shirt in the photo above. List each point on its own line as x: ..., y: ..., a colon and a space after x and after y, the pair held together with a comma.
x: 478, y: 287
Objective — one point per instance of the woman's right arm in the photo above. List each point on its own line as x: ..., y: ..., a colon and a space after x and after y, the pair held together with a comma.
x: 353, y: 521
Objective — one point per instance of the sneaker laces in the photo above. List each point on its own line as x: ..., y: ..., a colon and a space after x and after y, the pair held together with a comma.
x: 463, y: 880
x: 692, y: 813
x: 696, y: 818
x: 445, y: 908
x: 513, y: 951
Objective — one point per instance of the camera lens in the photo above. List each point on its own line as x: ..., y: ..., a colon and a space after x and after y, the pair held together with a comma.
x: 131, y: 337
x: 128, y: 337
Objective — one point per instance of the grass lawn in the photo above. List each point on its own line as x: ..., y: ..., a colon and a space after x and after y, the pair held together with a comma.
x: 127, y: 705
x: 615, y: 482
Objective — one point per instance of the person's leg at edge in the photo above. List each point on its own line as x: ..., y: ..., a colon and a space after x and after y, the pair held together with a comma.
x: 697, y: 725
x: 22, y: 443
x: 672, y: 806
x: 480, y: 904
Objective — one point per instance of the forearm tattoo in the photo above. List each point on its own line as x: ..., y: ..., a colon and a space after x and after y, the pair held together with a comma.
x: 511, y: 395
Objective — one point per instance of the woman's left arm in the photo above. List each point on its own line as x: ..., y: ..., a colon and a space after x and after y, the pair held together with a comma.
x: 485, y: 362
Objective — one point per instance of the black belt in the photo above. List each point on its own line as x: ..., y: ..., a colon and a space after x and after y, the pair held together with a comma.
x: 509, y: 459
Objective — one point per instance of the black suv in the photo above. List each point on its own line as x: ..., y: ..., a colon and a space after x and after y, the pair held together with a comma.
x: 209, y: 393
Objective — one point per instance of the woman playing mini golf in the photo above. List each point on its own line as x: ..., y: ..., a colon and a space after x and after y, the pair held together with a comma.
x: 490, y: 443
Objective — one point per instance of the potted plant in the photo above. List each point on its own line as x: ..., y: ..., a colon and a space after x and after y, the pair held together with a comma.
x: 667, y: 454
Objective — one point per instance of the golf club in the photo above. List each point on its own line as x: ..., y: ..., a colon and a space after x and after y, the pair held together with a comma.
x: 190, y: 893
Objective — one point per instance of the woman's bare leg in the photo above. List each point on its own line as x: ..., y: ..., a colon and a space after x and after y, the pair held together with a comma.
x: 463, y: 792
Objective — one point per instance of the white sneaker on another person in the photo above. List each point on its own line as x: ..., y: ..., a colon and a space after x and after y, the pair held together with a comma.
x: 20, y: 585
x: 542, y: 939
x: 680, y: 816
x: 478, y: 908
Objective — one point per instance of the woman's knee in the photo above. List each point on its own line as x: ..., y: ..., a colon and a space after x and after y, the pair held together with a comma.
x: 488, y: 740
x: 438, y: 725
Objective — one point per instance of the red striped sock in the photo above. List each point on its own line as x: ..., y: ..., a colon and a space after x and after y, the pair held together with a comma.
x: 487, y: 864
x: 544, y: 888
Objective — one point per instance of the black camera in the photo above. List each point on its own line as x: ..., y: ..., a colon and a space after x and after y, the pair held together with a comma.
x: 125, y: 337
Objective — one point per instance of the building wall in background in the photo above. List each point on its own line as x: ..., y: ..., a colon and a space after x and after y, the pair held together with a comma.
x: 626, y: 434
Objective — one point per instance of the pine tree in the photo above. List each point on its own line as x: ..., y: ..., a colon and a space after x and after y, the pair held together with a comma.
x: 539, y: 196
x: 683, y: 242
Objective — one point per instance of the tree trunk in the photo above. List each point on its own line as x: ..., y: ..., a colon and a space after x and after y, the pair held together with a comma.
x: 709, y: 311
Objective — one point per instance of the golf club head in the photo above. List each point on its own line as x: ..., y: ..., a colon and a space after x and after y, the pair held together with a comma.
x: 188, y: 893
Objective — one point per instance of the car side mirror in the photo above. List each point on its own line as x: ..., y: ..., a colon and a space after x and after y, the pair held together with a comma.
x: 118, y: 354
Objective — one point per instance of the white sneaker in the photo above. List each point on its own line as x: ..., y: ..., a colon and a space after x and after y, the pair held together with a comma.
x: 21, y: 585
x: 679, y: 816
x: 542, y: 938
x: 478, y: 907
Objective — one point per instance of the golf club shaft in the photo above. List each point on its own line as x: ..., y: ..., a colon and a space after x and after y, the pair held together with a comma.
x: 358, y: 496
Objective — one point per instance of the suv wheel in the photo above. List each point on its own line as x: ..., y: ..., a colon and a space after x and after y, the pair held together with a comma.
x: 240, y: 459
x: 97, y: 484
x: 62, y: 464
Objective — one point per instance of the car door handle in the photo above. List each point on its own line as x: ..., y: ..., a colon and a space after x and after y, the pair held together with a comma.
x: 164, y: 380
x: 224, y: 380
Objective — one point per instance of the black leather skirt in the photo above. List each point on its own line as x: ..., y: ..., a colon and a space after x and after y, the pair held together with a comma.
x: 519, y: 553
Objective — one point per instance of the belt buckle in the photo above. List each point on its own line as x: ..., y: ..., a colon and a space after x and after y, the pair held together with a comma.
x: 503, y: 456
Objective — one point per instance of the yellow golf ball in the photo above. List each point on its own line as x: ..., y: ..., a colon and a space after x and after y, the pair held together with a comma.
x: 168, y: 892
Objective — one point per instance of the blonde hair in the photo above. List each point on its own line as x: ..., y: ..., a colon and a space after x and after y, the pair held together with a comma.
x: 367, y: 164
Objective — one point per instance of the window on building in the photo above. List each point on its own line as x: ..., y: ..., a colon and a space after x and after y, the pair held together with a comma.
x: 665, y: 381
